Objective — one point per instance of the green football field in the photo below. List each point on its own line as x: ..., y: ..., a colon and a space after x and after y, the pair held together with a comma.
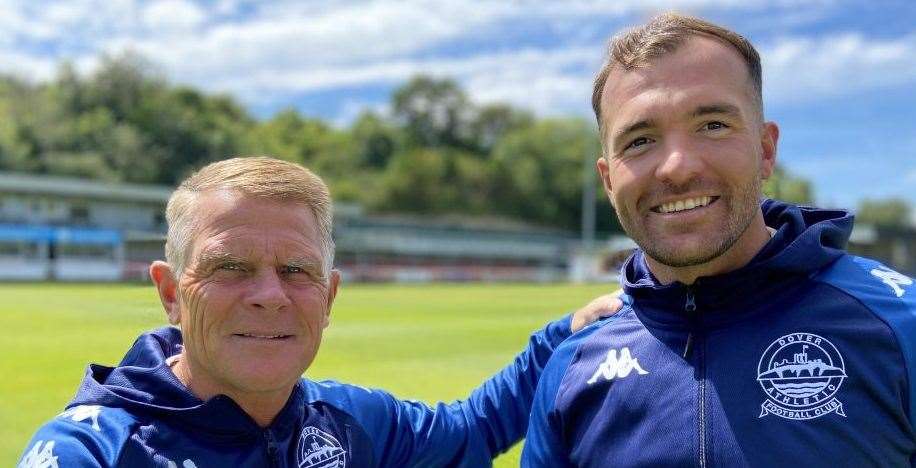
x: 428, y: 342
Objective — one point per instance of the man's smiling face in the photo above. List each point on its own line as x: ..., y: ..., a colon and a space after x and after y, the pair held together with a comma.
x: 254, y: 299
x: 686, y: 152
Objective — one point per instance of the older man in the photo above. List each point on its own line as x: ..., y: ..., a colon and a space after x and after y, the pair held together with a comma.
x: 749, y: 337
x: 250, y: 284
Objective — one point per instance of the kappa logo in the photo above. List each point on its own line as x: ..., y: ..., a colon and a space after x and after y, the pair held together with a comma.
x: 40, y: 456
x: 801, y: 374
x: 318, y: 449
x: 893, y: 279
x: 618, y: 367
x: 185, y: 464
x: 82, y: 413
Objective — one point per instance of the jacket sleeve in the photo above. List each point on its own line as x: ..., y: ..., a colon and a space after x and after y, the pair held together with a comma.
x: 80, y: 437
x: 889, y: 295
x: 499, y: 409
x: 465, y: 433
x: 544, y: 445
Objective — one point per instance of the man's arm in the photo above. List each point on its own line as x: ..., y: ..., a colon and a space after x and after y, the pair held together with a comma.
x: 465, y: 433
x: 57, y: 451
x: 81, y: 437
x: 497, y: 412
x: 543, y: 443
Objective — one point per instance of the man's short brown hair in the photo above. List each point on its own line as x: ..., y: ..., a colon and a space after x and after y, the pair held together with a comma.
x: 662, y: 35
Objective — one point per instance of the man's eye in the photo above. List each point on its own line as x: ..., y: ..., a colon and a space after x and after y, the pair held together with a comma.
x: 298, y: 270
x: 230, y: 267
x: 638, y: 142
x: 300, y: 273
x: 715, y: 125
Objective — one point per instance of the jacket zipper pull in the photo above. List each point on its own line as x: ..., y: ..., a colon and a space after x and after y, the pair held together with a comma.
x: 272, y: 450
x: 690, y: 306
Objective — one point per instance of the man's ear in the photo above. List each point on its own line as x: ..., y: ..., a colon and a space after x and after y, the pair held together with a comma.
x: 167, y: 285
x: 604, y: 172
x: 333, y: 283
x: 769, y: 137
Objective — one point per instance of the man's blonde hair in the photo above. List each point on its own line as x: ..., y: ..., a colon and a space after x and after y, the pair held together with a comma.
x: 258, y: 176
x: 663, y: 34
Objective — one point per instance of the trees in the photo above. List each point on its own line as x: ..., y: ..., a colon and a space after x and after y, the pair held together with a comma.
x: 375, y: 140
x: 457, y: 157
x: 122, y: 123
x: 17, y: 150
x: 538, y: 172
x: 894, y: 212
x: 433, y: 112
x: 492, y: 122
x: 436, y: 152
x: 784, y: 186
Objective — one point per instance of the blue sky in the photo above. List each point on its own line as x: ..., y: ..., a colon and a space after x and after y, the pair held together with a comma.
x: 839, y: 75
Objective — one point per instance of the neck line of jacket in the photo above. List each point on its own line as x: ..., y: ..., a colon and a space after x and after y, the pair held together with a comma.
x: 806, y: 241
x: 144, y: 385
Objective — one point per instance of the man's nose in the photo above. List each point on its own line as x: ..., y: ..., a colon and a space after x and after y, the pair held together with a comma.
x: 680, y: 164
x: 267, y: 291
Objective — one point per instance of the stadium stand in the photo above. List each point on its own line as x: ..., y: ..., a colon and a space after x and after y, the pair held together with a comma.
x: 55, y: 228
x: 75, y: 230
x: 79, y: 230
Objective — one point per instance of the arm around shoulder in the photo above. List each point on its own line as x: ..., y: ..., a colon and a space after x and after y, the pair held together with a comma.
x: 543, y: 443
x: 465, y: 433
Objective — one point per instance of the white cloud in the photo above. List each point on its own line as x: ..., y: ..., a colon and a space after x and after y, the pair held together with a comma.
x: 290, y: 49
x: 27, y: 67
x: 807, y: 68
x: 267, y: 52
x: 540, y: 80
x: 172, y: 15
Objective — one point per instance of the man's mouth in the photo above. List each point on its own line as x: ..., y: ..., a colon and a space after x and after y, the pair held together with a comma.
x: 683, y: 205
x: 261, y: 336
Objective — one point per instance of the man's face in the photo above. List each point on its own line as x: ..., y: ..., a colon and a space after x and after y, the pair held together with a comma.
x: 253, y: 301
x: 686, y: 152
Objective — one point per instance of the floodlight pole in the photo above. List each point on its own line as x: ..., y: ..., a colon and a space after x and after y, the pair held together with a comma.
x: 588, y: 197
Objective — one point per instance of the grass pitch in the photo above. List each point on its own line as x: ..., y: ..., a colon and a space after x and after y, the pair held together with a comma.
x: 428, y: 342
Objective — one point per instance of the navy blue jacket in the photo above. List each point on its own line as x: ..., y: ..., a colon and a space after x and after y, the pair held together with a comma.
x: 803, y: 357
x: 139, y: 415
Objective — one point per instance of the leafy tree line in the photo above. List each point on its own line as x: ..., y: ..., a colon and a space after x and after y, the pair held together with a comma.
x: 435, y: 152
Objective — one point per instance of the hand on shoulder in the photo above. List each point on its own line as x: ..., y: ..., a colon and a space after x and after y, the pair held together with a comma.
x: 598, y: 308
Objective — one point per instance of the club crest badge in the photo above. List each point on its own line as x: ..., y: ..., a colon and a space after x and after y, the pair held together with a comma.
x: 318, y: 449
x: 801, y: 374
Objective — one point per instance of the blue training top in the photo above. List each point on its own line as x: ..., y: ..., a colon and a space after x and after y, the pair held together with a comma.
x: 139, y: 415
x: 805, y: 357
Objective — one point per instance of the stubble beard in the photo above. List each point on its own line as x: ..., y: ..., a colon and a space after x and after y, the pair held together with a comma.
x: 743, y: 203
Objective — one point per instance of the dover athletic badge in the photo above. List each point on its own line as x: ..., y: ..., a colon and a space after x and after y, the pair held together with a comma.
x: 318, y: 449
x: 801, y: 374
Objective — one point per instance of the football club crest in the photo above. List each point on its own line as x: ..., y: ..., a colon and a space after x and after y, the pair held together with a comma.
x: 801, y: 374
x: 318, y: 449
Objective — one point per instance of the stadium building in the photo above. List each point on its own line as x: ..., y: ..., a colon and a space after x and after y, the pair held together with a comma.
x: 78, y: 230
x: 893, y: 245
x: 54, y: 228
x: 65, y: 229
x: 402, y: 248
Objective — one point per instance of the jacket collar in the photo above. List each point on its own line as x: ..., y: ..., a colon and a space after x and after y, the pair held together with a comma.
x: 143, y: 383
x: 806, y: 240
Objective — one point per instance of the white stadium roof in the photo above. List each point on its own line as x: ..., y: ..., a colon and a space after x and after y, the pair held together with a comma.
x: 83, y: 188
